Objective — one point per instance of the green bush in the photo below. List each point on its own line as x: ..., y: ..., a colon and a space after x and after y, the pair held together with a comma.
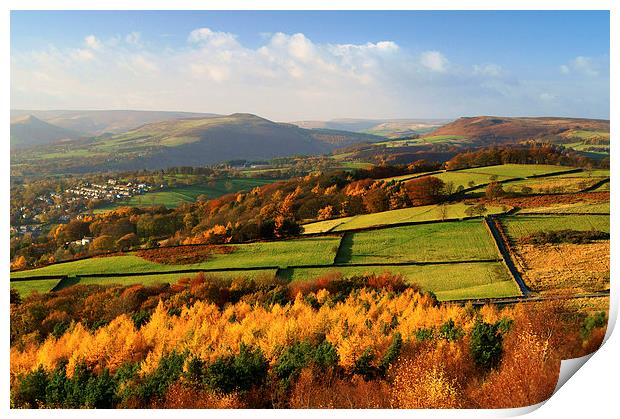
x: 238, y: 372
x: 449, y: 331
x: 592, y: 322
x: 486, y: 344
x: 30, y: 392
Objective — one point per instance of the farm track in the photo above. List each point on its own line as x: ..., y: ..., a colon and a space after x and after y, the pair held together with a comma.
x: 595, y: 186
x: 529, y: 299
x: 526, y: 214
x: 503, y: 250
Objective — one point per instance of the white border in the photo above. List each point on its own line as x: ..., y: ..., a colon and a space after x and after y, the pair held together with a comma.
x: 592, y: 392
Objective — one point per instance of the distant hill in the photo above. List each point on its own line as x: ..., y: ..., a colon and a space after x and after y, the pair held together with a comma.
x: 505, y: 129
x: 197, y: 142
x: 29, y: 131
x: 97, y: 122
x: 390, y: 128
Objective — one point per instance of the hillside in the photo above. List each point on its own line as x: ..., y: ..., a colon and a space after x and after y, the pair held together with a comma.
x: 390, y: 128
x: 28, y: 131
x: 195, y: 142
x: 97, y: 122
x: 505, y: 129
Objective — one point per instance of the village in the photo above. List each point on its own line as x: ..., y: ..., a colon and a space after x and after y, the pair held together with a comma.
x: 60, y: 207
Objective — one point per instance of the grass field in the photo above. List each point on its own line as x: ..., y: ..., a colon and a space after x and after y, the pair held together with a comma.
x: 402, y: 178
x: 25, y: 288
x: 448, y: 282
x: 585, y: 135
x: 575, y: 268
x: 553, y: 184
x: 436, y: 139
x: 483, y: 175
x: 172, y: 278
x: 404, y: 215
x: 316, y: 250
x: 175, y: 196
x: 604, y: 187
x: 524, y: 225
x: 462, y: 240
x: 517, y: 170
x: 580, y: 208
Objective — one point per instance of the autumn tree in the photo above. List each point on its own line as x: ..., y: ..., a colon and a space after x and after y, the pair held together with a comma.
x: 326, y: 213
x: 425, y: 190
x: 494, y: 190
x: 102, y: 244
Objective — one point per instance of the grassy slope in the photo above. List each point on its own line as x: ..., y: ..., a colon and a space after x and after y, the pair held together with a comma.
x: 518, y: 170
x: 465, y: 240
x: 422, y: 213
x: 172, y: 278
x: 553, y: 184
x: 175, y: 196
x: 580, y: 208
x: 27, y: 287
x: 521, y: 226
x: 316, y: 250
x: 448, y: 282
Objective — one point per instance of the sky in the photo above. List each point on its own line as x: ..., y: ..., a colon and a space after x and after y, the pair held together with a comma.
x: 314, y: 65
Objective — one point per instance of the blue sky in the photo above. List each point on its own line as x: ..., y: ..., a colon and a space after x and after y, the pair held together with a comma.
x: 315, y: 65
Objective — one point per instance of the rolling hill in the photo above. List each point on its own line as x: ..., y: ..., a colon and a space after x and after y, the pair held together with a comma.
x: 504, y: 129
x: 29, y: 131
x: 194, y: 142
x: 98, y: 122
x: 390, y: 128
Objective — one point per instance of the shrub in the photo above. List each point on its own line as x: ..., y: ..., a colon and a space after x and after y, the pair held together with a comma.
x: 238, y: 373
x: 565, y: 236
x: 30, y: 392
x: 449, y: 331
x: 486, y: 344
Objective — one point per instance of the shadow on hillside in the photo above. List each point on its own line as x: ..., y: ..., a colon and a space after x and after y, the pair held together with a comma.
x: 285, y: 274
x: 66, y: 282
x: 345, y: 250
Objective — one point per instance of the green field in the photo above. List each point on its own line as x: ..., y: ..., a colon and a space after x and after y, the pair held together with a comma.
x: 580, y: 208
x: 483, y: 175
x: 603, y: 188
x: 525, y: 225
x: 448, y: 282
x: 310, y: 251
x: 172, y: 278
x: 468, y: 179
x: 402, y: 178
x: 462, y: 240
x: 25, y: 288
x: 586, y: 135
x: 437, y: 139
x: 404, y: 215
x: 552, y: 184
x: 178, y: 195
x: 518, y: 170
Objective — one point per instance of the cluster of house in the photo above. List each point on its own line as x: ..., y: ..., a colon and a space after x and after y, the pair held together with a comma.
x: 109, y: 191
x: 60, y: 207
x: 34, y: 229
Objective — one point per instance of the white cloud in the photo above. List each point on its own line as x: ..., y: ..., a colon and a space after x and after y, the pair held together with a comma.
x: 82, y: 55
x: 434, y: 60
x: 581, y: 65
x: 134, y: 38
x: 212, y: 38
x: 546, y: 96
x: 492, y: 70
x: 287, y: 77
x: 91, y: 41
